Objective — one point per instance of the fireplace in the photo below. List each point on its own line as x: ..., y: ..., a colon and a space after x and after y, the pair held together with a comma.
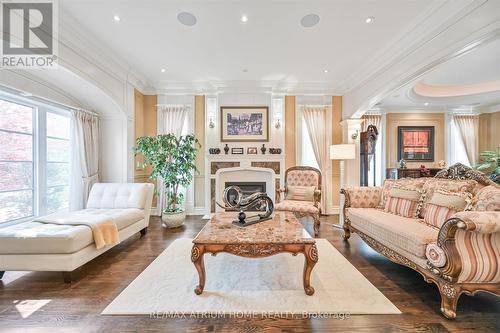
x: 248, y: 179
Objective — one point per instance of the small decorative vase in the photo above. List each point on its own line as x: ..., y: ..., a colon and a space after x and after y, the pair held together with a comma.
x: 402, y: 164
x: 226, y: 149
x: 263, y: 149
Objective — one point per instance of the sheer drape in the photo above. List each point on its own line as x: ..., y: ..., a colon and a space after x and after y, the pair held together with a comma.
x: 315, y: 118
x: 469, y: 131
x: 85, y: 138
x: 170, y: 120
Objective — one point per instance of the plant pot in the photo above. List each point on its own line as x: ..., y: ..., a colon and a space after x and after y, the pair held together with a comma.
x: 173, y: 220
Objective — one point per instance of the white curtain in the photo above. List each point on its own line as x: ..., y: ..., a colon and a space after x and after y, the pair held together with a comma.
x: 316, y: 121
x: 469, y: 131
x: 85, y: 166
x: 170, y: 120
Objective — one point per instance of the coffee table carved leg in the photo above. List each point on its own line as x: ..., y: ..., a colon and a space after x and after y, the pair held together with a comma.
x: 311, y: 258
x: 197, y: 258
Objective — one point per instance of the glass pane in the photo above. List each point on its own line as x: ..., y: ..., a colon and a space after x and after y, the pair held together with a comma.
x: 15, y: 147
x: 57, y: 198
x: 16, y: 175
x: 57, y: 150
x: 15, y: 117
x: 15, y: 205
x: 57, y: 174
x: 58, y: 126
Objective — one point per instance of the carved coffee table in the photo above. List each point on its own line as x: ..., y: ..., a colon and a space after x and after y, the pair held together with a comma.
x: 283, y: 233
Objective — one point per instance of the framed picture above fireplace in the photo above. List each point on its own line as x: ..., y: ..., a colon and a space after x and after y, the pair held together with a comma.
x: 416, y: 143
x: 244, y: 123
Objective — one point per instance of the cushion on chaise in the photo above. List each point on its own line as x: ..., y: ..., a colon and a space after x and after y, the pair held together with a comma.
x: 46, y: 238
x: 411, y: 235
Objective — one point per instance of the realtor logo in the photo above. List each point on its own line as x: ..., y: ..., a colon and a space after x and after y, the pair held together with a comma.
x: 29, y: 33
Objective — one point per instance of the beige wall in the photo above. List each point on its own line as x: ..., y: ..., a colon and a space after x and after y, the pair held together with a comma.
x: 290, y: 127
x: 489, y: 131
x: 145, y: 125
x: 336, y: 139
x: 414, y: 119
x: 199, y: 132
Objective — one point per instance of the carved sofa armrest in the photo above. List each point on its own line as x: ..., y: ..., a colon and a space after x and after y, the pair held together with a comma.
x: 466, y: 250
x: 317, y: 197
x: 361, y: 196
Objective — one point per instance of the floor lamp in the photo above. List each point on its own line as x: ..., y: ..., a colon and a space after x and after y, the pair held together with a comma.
x: 342, y: 152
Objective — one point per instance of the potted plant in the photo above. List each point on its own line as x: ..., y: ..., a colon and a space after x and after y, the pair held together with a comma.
x: 490, y: 164
x: 173, y: 160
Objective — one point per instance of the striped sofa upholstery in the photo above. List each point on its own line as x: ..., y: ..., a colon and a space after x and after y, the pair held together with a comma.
x: 459, y: 251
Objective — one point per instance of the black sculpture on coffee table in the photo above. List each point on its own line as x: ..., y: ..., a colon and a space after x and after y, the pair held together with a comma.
x: 241, y: 203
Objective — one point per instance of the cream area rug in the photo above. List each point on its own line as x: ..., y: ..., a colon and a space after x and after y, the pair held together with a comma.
x: 235, y: 284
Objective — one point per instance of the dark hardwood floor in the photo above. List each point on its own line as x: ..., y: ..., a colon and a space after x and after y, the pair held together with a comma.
x: 42, y: 302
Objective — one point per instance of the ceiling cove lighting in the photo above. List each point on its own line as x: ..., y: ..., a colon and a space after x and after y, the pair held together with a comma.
x: 309, y: 21
x: 116, y: 18
x: 369, y: 19
x: 186, y: 18
x: 244, y: 18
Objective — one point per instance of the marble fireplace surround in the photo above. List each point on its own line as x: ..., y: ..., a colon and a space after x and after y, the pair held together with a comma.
x: 243, y: 174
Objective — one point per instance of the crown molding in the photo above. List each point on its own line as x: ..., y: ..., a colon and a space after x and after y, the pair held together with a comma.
x: 475, y: 25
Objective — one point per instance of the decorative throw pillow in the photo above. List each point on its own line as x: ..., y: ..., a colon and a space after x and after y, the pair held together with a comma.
x: 410, y: 183
x: 303, y: 193
x: 443, y: 204
x: 435, y: 184
x: 403, y: 201
x: 487, y: 199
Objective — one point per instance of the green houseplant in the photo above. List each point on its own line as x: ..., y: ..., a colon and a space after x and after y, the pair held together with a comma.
x: 490, y: 164
x: 173, y: 160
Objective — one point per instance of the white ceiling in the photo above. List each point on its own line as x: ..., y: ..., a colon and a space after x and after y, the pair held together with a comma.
x: 272, y: 45
x: 477, y: 67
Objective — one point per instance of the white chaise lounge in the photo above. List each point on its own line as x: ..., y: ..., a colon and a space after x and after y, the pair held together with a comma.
x: 36, y: 246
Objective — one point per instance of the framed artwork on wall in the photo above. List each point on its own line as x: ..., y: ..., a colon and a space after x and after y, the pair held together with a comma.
x: 416, y: 143
x: 244, y: 123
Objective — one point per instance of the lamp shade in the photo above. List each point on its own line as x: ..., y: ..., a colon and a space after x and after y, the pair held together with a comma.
x: 343, y: 152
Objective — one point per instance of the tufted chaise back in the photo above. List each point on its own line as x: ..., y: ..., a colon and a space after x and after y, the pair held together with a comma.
x: 121, y: 195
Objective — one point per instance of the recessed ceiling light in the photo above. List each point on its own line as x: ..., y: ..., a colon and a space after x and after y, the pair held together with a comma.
x: 426, y: 103
x: 186, y: 18
x: 310, y: 20
x: 244, y: 18
x: 369, y: 19
x: 162, y: 70
x: 325, y: 70
x: 116, y: 18
x: 245, y: 70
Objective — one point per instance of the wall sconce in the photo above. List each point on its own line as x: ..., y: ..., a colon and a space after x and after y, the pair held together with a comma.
x: 354, y: 136
x: 277, y: 125
x: 211, y: 123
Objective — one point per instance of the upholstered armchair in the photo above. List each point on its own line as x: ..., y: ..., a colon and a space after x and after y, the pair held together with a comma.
x: 302, y: 194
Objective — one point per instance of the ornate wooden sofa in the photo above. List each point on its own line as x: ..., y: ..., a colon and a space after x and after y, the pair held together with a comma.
x: 462, y: 256
x: 301, y: 177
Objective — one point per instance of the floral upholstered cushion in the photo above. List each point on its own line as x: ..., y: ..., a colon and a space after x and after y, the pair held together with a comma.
x: 403, y: 201
x: 297, y: 206
x: 487, y: 199
x: 304, y: 193
x: 364, y: 196
x: 302, y: 178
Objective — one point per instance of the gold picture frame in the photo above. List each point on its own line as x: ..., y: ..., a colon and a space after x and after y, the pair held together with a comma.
x: 244, y: 124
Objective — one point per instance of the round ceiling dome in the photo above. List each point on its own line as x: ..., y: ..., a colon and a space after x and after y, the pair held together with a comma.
x: 310, y: 20
x: 186, y: 18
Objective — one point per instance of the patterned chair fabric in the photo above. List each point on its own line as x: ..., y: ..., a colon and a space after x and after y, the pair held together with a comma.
x: 302, y: 176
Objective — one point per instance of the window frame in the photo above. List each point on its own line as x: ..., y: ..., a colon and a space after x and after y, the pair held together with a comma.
x: 39, y: 153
